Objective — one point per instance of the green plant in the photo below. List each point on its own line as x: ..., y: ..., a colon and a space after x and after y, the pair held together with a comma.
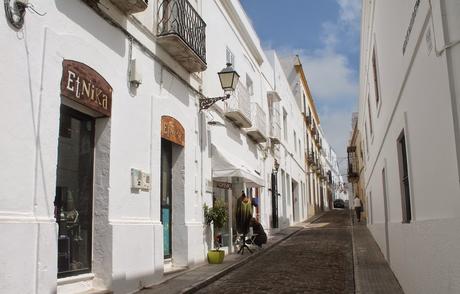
x: 216, y: 215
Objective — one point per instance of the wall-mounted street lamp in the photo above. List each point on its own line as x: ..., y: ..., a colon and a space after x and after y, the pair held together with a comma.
x: 228, y: 80
x: 15, y: 11
x: 276, y: 167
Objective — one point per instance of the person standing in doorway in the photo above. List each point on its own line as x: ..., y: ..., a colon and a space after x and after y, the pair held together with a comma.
x: 357, y: 204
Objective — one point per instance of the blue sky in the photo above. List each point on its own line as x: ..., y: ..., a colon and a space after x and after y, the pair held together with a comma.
x: 325, y: 34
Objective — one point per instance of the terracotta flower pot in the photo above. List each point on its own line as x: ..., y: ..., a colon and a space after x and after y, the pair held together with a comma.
x: 216, y: 256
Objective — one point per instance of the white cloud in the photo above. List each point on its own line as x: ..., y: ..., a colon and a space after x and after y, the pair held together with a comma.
x: 350, y: 13
x: 336, y: 124
x: 329, y: 75
x: 332, y: 79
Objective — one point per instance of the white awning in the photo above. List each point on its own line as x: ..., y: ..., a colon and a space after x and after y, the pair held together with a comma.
x: 225, y: 166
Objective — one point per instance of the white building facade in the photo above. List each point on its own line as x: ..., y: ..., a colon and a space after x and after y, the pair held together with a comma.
x: 116, y: 159
x: 409, y: 119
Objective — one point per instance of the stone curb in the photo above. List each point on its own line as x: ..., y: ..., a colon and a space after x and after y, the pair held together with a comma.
x: 201, y: 284
x: 355, y: 257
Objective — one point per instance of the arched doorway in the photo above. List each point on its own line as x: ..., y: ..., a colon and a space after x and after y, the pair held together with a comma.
x: 172, y: 182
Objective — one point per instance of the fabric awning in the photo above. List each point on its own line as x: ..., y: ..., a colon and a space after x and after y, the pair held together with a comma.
x: 224, y: 165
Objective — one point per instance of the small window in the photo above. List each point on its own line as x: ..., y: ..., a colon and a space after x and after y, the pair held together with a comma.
x: 370, y: 115
x: 376, y: 83
x: 295, y: 141
x: 404, y: 179
x: 285, y: 124
x: 230, y: 57
x: 249, y: 85
x: 366, y: 140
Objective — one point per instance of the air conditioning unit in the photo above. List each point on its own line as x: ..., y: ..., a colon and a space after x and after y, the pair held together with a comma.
x: 131, y: 6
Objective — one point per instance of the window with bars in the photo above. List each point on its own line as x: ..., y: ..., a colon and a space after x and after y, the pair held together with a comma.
x: 404, y: 179
x: 374, y: 70
x: 249, y: 85
x: 370, y: 115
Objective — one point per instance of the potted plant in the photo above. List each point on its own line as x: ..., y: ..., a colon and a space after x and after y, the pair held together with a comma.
x: 218, y: 216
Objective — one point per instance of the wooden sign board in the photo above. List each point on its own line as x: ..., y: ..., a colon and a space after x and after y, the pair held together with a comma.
x: 84, y: 85
x: 172, y: 130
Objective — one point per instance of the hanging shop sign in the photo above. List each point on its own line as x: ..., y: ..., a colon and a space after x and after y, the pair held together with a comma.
x: 223, y: 185
x: 172, y: 130
x: 84, y: 85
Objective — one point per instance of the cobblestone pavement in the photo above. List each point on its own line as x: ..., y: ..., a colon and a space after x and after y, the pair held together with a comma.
x: 317, y: 259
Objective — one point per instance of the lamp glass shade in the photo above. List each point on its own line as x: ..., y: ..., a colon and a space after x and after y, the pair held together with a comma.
x: 228, y: 78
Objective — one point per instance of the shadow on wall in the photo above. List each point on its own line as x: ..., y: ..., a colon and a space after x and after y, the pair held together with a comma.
x: 173, y: 85
x: 96, y: 26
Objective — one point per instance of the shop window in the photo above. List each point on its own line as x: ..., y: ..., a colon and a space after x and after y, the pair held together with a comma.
x: 74, y: 192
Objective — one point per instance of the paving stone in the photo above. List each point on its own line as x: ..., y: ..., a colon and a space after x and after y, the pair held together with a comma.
x: 323, y: 255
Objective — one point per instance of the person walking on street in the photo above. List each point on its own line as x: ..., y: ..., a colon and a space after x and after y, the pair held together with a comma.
x: 358, y: 207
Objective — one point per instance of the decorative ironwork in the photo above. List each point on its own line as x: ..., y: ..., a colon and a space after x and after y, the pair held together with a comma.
x: 308, y: 120
x: 178, y: 17
x: 353, y: 174
x: 205, y: 103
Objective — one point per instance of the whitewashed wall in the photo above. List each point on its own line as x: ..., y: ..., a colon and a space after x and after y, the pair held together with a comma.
x: 416, y: 95
x: 129, y: 139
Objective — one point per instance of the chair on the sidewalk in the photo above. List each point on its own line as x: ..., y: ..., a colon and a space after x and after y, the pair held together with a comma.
x: 251, y: 238
x: 245, y: 241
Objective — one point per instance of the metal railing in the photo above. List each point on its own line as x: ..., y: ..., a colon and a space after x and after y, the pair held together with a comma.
x: 239, y: 101
x: 180, y: 18
x: 259, y: 118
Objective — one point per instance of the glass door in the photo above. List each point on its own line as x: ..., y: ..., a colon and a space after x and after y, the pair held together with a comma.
x: 74, y: 192
x: 166, y: 191
x: 225, y: 237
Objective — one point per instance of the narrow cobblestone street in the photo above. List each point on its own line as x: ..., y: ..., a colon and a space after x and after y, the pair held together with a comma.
x: 317, y: 259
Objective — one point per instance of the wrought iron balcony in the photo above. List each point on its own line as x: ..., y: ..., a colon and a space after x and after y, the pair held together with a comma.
x: 275, y: 123
x: 181, y: 32
x: 353, y: 174
x: 308, y: 120
x: 238, y: 107
x: 311, y: 158
x: 259, y: 125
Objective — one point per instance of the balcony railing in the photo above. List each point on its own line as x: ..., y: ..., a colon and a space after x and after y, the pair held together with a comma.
x: 259, y: 125
x: 275, y: 123
x: 311, y: 159
x: 308, y: 120
x: 353, y: 174
x: 238, y: 107
x: 181, y: 31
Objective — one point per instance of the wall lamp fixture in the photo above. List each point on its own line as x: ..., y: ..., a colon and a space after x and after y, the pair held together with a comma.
x: 228, y: 80
x: 15, y: 11
x: 276, y: 167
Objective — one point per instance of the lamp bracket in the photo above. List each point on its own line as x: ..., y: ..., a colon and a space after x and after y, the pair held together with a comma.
x: 205, y: 103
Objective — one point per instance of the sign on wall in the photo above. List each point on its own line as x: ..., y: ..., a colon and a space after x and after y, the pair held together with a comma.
x: 172, y: 130
x: 84, y: 85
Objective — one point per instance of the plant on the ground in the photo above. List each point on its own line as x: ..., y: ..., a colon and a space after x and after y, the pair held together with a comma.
x: 218, y: 216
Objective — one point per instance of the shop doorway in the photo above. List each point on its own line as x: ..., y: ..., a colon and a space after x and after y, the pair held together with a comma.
x: 166, y: 196
x: 172, y: 198
x: 73, y: 203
